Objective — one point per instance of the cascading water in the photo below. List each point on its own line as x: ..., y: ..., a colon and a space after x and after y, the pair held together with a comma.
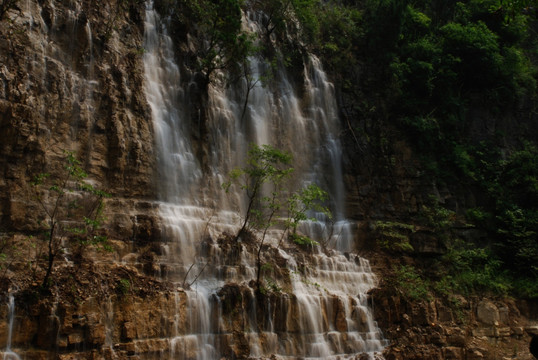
x: 8, y: 353
x: 323, y: 313
x: 179, y: 172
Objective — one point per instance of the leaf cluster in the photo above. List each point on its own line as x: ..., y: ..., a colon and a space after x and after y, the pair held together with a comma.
x: 411, y: 284
x: 511, y: 186
x: 394, y: 236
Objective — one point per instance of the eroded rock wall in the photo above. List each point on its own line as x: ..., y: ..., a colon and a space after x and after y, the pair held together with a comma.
x: 471, y: 328
x: 71, y: 79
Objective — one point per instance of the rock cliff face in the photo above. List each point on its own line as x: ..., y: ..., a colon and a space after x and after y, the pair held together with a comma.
x: 72, y: 78
x: 464, y: 328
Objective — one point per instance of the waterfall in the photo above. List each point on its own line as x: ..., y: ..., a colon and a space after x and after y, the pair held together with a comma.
x: 178, y: 187
x: 8, y: 353
x: 179, y: 167
x: 320, y: 310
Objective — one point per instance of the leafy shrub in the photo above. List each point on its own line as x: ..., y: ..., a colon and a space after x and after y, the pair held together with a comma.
x: 123, y: 286
x: 302, y: 240
x: 67, y: 217
x: 475, y: 50
x: 411, y: 284
x: 436, y: 216
x: 394, y: 236
x: 469, y: 269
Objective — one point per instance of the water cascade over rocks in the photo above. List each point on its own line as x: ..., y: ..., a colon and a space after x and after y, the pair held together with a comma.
x: 316, y: 304
x: 9, y: 354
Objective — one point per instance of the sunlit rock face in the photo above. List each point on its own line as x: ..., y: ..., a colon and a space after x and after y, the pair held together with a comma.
x: 72, y: 79
x: 109, y: 82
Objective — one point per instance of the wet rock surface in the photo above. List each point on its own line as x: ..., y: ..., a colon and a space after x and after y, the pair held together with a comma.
x: 72, y: 81
x: 437, y: 330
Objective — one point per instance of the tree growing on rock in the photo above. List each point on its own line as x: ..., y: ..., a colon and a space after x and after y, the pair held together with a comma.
x: 71, y: 213
x: 270, y: 201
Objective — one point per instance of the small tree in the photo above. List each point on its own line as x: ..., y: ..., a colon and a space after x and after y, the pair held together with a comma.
x: 263, y: 179
x: 311, y: 197
x: 264, y: 165
x: 71, y: 209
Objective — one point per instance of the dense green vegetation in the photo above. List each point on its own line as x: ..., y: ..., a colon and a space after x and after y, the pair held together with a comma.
x: 458, y: 80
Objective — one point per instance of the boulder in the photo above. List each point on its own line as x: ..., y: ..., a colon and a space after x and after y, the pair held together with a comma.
x: 487, y: 313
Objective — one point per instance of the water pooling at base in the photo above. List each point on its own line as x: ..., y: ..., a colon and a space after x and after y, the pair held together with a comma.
x: 318, y: 308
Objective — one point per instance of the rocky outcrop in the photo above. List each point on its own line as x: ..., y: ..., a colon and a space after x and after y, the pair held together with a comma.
x: 125, y: 315
x: 464, y: 329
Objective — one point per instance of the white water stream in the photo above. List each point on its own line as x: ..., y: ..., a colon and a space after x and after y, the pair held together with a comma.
x: 9, y: 354
x: 325, y: 313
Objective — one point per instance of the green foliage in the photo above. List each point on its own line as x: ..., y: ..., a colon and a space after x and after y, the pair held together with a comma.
x: 436, y: 216
x: 517, y: 234
x: 513, y: 8
x: 383, y: 26
x: 474, y: 53
x: 302, y: 240
x: 525, y: 287
x: 306, y: 12
x: 477, y: 215
x: 411, y: 283
x: 417, y: 23
x: 71, y: 210
x: 263, y: 179
x: 309, y: 198
x: 271, y: 286
x: 469, y: 269
x: 289, y: 15
x: 339, y: 33
x: 436, y: 61
x: 394, y: 236
x: 264, y: 165
x: 510, y: 184
x: 123, y: 287
x: 217, y: 26
x: 269, y: 167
